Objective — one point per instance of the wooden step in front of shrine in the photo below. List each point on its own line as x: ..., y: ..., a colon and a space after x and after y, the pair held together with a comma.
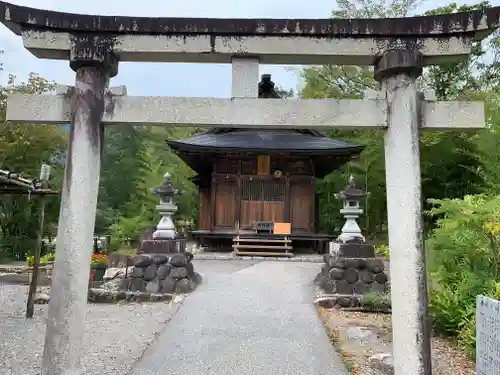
x: 263, y: 245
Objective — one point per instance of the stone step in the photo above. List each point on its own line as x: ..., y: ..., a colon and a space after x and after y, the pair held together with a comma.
x: 262, y: 254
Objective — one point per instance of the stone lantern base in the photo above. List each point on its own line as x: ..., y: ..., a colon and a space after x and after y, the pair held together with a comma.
x: 163, y: 246
x: 350, y: 271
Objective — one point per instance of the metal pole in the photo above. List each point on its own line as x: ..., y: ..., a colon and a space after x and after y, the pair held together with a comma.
x: 30, y: 305
x: 68, y: 302
x: 398, y: 71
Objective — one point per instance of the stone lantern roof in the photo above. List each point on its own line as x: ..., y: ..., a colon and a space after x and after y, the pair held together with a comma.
x: 166, y: 189
x: 352, y: 192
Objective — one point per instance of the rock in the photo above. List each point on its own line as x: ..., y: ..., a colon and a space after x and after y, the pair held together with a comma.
x: 325, y: 268
x: 150, y: 272
x: 326, y: 302
x: 160, y: 259
x: 143, y: 260
x: 319, y: 278
x: 197, y: 278
x: 351, y: 275
x: 344, y: 301
x: 192, y: 285
x: 352, y: 263
x: 125, y: 284
x: 163, y: 271
x: 101, y: 295
x: 179, y: 260
x: 331, y: 263
x: 340, y: 263
x: 326, y: 258
x: 375, y: 265
x: 138, y: 285
x: 381, y: 278
x: 120, y: 295
x: 142, y: 297
x: 137, y: 273
x: 190, y: 269
x: 167, y: 285
x: 329, y: 285
x: 42, y: 299
x: 179, y: 273
x: 342, y: 287
x: 114, y: 273
x: 361, y: 264
x: 359, y: 287
x: 113, y: 285
x: 366, y: 276
x: 153, y: 286
x: 336, y: 274
x: 383, y: 362
x: 183, y: 286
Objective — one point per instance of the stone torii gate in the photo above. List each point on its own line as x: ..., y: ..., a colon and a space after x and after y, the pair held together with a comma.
x: 397, y: 48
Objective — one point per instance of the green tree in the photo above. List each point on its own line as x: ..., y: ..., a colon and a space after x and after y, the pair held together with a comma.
x: 134, y: 209
x: 23, y: 148
x: 451, y: 161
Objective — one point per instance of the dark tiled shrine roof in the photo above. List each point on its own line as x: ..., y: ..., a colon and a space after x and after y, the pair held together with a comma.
x: 309, y: 142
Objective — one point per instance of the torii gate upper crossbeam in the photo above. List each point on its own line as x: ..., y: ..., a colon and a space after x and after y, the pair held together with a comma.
x: 440, y: 38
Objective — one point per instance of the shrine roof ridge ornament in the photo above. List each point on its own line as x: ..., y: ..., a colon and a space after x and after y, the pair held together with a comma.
x: 439, y: 38
x: 445, y: 24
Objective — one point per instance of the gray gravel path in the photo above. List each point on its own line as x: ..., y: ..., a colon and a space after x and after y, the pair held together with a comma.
x: 254, y: 318
x: 115, y: 335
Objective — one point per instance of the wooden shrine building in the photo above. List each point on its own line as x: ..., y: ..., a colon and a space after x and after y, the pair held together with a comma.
x: 252, y: 181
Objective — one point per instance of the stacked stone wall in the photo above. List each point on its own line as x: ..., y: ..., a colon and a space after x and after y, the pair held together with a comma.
x: 159, y: 273
x: 346, y: 277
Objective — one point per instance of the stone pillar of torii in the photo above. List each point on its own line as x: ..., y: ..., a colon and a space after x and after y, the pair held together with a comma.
x: 397, y: 48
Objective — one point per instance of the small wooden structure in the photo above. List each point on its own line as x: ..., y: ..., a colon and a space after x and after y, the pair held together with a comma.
x: 252, y: 177
x: 14, y: 184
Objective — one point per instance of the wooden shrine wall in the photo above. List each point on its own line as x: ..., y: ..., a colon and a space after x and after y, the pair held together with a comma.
x: 225, y: 202
x: 302, y: 206
x: 244, y: 190
x: 204, y: 218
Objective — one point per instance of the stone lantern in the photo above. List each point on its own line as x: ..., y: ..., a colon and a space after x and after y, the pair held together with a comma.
x: 165, y: 230
x: 351, y: 197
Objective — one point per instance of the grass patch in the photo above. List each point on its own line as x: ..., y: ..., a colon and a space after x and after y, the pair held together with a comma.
x: 376, y: 301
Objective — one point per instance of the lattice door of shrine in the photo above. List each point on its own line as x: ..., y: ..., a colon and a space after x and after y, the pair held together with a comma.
x: 262, y: 199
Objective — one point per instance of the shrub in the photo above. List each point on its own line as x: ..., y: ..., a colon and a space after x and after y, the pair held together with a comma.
x: 382, y: 249
x: 376, y: 301
x: 463, y: 256
x: 50, y: 257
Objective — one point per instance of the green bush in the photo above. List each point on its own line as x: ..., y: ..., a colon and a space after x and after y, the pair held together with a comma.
x: 463, y: 256
x: 376, y: 301
x: 382, y: 249
x: 50, y: 257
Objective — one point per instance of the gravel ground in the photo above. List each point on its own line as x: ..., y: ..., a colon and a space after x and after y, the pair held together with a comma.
x: 115, y: 336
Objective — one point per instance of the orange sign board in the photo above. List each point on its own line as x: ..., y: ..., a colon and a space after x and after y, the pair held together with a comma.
x: 282, y: 228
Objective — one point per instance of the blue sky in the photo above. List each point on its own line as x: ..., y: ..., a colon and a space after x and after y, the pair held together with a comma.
x: 200, y: 80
